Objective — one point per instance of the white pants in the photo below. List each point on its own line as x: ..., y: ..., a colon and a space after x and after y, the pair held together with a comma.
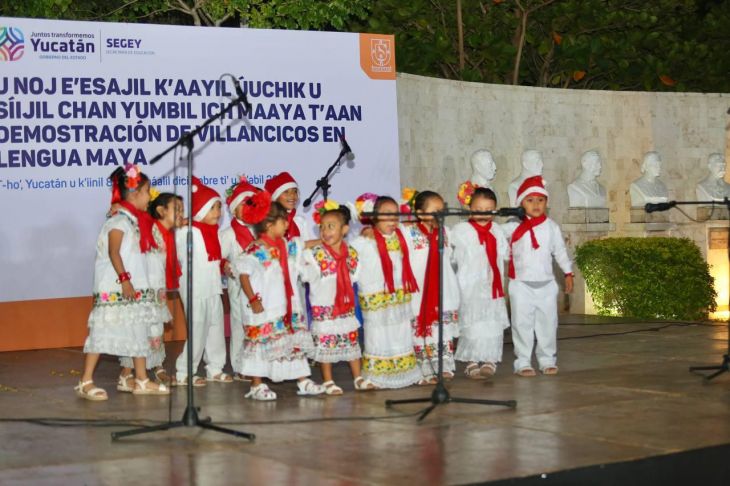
x: 237, y: 300
x: 209, y: 341
x: 534, y: 314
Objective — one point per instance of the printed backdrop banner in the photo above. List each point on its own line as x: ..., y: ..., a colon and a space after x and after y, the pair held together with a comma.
x: 78, y: 99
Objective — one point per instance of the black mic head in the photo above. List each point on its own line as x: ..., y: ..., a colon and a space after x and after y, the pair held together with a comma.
x: 515, y: 212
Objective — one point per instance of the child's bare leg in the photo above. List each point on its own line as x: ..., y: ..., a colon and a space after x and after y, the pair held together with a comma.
x: 128, y: 372
x: 90, y: 362
x: 355, y: 368
x: 140, y: 371
x: 326, y: 371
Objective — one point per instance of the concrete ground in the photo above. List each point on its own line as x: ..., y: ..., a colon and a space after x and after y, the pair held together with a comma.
x: 619, y: 396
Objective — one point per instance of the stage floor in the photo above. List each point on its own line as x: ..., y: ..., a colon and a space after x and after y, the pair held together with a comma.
x: 618, y: 397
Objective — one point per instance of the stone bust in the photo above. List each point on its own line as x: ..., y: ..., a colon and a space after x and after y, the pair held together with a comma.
x: 483, y: 168
x: 713, y: 187
x: 649, y: 188
x: 532, y: 165
x: 585, y: 191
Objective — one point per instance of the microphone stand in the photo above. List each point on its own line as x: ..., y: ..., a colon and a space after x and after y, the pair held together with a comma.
x: 440, y: 394
x: 190, y: 417
x: 324, y: 182
x: 723, y: 367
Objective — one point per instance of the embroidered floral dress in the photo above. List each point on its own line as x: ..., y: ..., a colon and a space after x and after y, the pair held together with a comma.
x: 482, y: 318
x: 273, y: 348
x: 156, y: 261
x: 117, y: 326
x: 335, y: 338
x: 427, y: 347
x: 388, y: 357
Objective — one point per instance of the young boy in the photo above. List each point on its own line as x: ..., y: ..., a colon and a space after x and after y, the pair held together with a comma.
x: 533, y: 291
x: 234, y: 241
x: 207, y: 318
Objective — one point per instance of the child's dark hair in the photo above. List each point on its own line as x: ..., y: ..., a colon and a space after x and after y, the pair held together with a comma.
x: 343, y: 213
x: 422, y: 198
x: 276, y: 212
x: 120, y: 177
x: 161, y: 201
x: 379, y: 202
x: 484, y: 192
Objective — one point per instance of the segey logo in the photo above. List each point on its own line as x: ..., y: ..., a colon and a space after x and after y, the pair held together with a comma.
x: 12, y: 44
x: 380, y: 52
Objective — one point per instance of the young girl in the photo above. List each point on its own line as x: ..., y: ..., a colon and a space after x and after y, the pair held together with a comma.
x: 164, y: 271
x: 234, y: 240
x: 275, y: 342
x: 533, y: 291
x: 209, y: 340
x: 125, y: 302
x: 480, y: 250
x: 385, y: 286
x: 284, y: 190
x: 422, y: 238
x: 331, y: 268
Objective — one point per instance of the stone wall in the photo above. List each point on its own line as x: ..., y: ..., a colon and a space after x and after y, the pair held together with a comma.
x: 441, y: 123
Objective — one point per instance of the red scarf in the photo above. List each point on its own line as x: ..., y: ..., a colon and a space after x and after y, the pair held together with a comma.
x: 410, y: 284
x: 243, y: 234
x: 144, y: 222
x: 283, y: 256
x: 172, y: 265
x: 487, y: 239
x: 293, y: 230
x: 429, y: 312
x: 345, y: 297
x: 210, y: 237
x: 526, y: 225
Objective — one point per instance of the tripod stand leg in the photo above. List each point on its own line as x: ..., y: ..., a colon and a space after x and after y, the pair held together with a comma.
x: 390, y: 403
x: 426, y: 411
x: 722, y: 370
x: 145, y: 430
x: 235, y: 433
x: 504, y: 403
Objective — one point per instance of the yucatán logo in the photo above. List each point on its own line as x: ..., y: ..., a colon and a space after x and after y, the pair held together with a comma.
x: 12, y: 44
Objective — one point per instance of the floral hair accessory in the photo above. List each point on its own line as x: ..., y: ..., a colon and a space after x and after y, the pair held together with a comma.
x: 408, y: 198
x: 256, y: 207
x: 466, y: 191
x: 131, y: 176
x: 241, y: 178
x: 154, y: 193
x: 322, y: 207
x: 365, y: 203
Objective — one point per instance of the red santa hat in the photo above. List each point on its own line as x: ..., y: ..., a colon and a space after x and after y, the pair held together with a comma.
x: 534, y: 185
x: 203, y: 199
x: 280, y: 183
x: 241, y: 191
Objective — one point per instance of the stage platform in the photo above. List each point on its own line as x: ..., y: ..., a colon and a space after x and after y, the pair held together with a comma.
x: 624, y: 409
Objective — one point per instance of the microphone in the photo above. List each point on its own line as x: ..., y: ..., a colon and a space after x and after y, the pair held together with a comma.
x: 239, y: 91
x: 663, y: 206
x: 507, y: 212
x: 346, y: 151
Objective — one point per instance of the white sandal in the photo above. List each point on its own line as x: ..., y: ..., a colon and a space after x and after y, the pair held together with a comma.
x: 261, y: 392
x: 141, y: 388
x: 95, y: 394
x: 220, y: 378
x: 362, y: 384
x: 123, y: 384
x: 331, y: 389
x: 472, y: 371
x: 309, y: 388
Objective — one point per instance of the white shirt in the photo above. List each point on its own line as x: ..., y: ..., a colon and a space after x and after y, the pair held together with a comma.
x: 206, y: 274
x: 536, y: 265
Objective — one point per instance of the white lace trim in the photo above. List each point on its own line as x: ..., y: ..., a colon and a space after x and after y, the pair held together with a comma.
x: 482, y: 349
x: 328, y: 355
x: 393, y: 380
x: 275, y: 370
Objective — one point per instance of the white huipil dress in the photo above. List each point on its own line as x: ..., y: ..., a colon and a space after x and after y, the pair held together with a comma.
x: 272, y: 348
x: 156, y: 262
x: 482, y: 318
x: 335, y: 338
x: 117, y: 326
x: 388, y: 357
x: 427, y: 347
x: 231, y: 250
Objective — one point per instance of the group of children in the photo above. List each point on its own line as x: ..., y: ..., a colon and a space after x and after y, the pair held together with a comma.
x: 268, y: 257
